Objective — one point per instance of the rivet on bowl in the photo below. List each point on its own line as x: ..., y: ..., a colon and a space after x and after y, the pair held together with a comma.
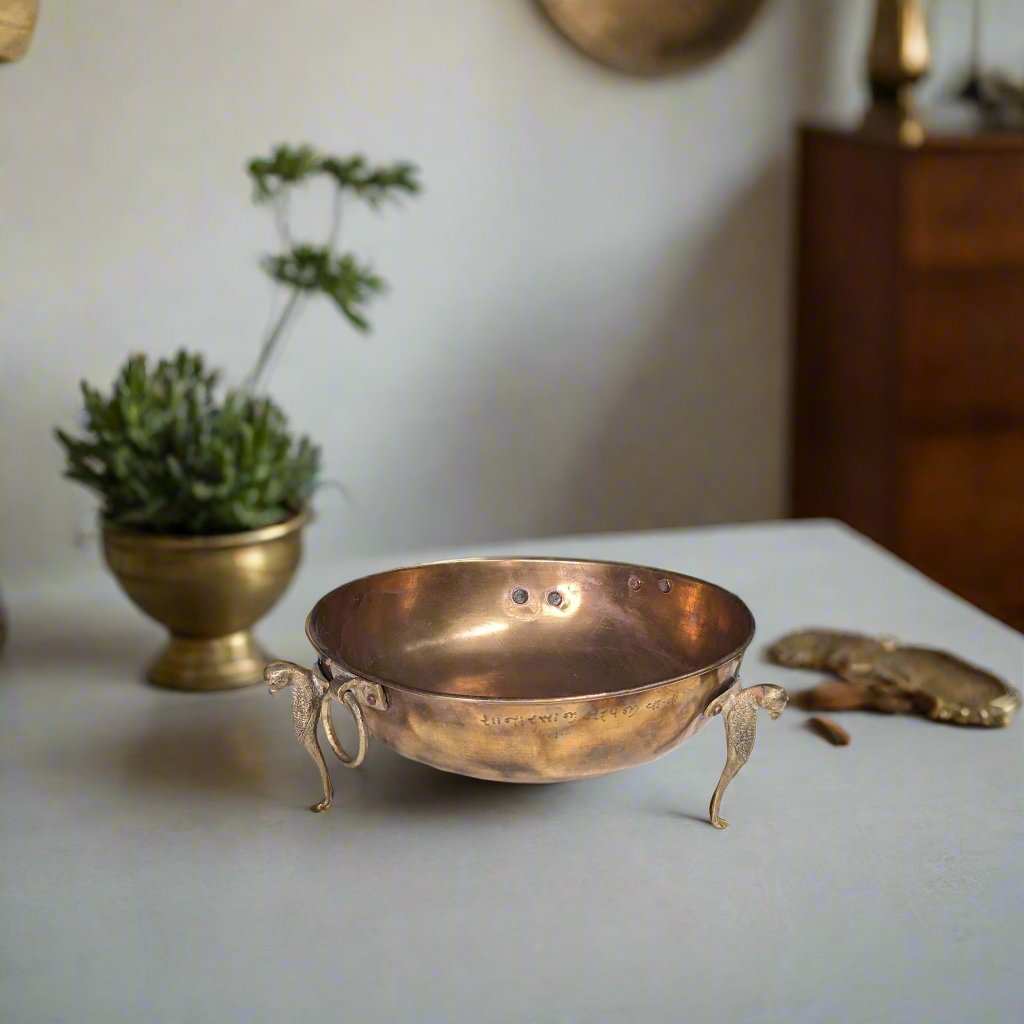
x: 554, y: 599
x: 634, y: 582
x: 520, y: 596
x: 664, y: 586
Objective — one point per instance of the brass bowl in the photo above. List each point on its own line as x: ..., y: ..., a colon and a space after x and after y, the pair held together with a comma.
x: 527, y: 669
x: 208, y: 592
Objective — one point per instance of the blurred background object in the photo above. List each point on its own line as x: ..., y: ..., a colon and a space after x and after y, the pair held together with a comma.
x: 17, y: 23
x: 900, y: 53
x: 996, y: 94
x: 651, y: 37
x: 909, y: 375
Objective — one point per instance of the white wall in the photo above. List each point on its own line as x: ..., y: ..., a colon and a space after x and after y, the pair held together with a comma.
x: 587, y: 326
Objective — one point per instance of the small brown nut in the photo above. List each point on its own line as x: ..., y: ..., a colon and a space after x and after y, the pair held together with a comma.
x: 834, y: 695
x: 826, y: 728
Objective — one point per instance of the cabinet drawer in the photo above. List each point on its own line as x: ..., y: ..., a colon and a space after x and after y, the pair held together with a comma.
x: 962, y: 348
x: 962, y: 516
x: 963, y: 208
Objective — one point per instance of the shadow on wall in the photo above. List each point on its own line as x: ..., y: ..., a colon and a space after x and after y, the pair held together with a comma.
x: 696, y: 434
x: 676, y: 417
x: 681, y: 424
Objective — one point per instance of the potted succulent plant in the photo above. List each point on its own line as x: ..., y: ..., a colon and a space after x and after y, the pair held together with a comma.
x: 204, y: 494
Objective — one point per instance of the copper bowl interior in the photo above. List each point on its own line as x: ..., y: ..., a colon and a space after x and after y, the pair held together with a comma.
x: 528, y: 628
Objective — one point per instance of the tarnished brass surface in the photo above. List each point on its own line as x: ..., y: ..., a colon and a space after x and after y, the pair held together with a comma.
x: 739, y: 710
x: 17, y: 23
x: 885, y: 675
x: 650, y: 37
x: 522, y: 669
x: 208, y: 592
x: 312, y: 693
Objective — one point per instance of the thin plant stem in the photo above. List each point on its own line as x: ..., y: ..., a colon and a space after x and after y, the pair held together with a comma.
x: 280, y: 208
x: 271, y: 340
x: 332, y: 237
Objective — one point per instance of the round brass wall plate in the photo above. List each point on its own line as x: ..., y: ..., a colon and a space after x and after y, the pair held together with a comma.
x: 651, y: 37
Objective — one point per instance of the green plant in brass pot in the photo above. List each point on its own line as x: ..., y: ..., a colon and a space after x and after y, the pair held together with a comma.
x: 204, y: 491
x: 203, y: 502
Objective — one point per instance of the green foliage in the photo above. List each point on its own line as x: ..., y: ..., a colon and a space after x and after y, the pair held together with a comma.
x: 307, y: 269
x: 167, y: 457
x: 374, y: 184
x: 287, y: 166
x: 162, y: 451
x: 316, y: 269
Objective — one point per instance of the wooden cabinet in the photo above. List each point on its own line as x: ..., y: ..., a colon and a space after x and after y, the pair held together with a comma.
x: 909, y: 368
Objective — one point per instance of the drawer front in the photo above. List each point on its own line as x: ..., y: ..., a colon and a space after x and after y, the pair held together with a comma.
x: 962, y: 516
x: 963, y: 209
x: 962, y: 348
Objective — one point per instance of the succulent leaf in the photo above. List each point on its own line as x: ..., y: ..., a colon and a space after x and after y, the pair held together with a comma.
x: 166, y: 455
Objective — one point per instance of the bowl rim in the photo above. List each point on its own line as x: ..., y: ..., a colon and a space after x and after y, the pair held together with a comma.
x: 734, y: 654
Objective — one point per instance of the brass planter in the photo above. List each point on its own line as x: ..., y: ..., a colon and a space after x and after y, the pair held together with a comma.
x: 208, y: 592
x: 527, y: 669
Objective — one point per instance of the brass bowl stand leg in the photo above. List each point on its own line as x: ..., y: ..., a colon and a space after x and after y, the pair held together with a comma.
x: 738, y: 708
x: 312, y: 694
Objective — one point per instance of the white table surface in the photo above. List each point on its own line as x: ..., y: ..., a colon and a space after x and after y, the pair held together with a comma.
x: 158, y: 861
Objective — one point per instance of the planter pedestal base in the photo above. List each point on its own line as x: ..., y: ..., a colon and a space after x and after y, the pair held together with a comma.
x: 209, y: 663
